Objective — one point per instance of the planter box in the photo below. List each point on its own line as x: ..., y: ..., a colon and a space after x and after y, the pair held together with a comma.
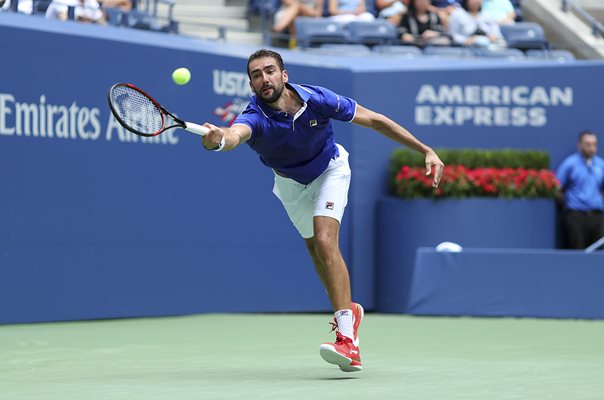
x: 406, y: 225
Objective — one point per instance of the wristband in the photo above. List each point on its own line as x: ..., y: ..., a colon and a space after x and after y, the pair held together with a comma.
x: 220, y: 146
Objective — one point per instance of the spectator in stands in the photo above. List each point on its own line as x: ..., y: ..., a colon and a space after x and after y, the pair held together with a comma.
x: 124, y: 5
x: 468, y: 26
x: 84, y: 10
x: 391, y: 10
x: 581, y: 177
x: 286, y: 15
x: 349, y: 10
x: 444, y: 8
x: 24, y: 6
x: 420, y: 26
x: 501, y: 11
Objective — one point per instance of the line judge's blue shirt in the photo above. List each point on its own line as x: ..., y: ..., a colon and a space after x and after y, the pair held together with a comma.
x: 297, y: 146
x: 582, y: 184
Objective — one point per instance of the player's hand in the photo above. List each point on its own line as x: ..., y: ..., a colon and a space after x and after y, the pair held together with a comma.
x: 433, y: 162
x: 213, y: 138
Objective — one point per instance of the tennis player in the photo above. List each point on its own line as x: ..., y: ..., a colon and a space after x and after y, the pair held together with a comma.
x: 289, y: 126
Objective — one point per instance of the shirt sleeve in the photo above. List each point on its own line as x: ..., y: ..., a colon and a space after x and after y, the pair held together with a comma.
x: 335, y: 106
x: 562, y: 173
x: 252, y: 119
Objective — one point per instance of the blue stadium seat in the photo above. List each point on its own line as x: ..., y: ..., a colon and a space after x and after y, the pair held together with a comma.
x: 344, y: 49
x: 407, y: 51
x: 501, y: 53
x: 525, y: 36
x: 316, y: 31
x: 448, y: 51
x: 141, y: 20
x: 40, y: 6
x: 555, y: 55
x: 372, y: 33
x: 115, y: 16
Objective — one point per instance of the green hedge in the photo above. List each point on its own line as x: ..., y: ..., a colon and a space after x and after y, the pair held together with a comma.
x: 474, y: 158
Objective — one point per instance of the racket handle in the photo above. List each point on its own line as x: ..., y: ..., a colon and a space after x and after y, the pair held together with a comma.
x: 197, y: 129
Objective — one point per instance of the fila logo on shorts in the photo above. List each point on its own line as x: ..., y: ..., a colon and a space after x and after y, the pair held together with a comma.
x: 329, y: 205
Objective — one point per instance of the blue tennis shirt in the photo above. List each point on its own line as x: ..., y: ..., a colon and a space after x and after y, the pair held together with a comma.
x: 297, y: 146
x: 582, y: 184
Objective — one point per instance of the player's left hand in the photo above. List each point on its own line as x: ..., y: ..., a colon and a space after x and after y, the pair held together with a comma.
x: 433, y: 162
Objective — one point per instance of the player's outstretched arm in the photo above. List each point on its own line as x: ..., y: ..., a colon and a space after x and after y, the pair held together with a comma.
x: 232, y: 136
x: 387, y: 127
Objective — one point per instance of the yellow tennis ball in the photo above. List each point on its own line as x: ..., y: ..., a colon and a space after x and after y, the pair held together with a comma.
x: 181, y: 76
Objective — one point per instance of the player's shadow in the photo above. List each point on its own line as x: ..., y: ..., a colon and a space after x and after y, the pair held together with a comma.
x: 336, y: 378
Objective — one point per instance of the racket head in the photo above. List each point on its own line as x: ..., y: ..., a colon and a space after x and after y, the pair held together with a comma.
x: 136, y: 111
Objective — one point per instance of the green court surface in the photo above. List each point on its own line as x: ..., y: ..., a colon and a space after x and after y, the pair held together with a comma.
x: 275, y: 356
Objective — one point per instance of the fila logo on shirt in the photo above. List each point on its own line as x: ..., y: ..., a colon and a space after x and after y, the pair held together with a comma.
x: 329, y: 205
x: 313, y: 122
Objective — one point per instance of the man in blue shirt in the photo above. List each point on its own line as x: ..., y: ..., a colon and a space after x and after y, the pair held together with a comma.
x: 581, y: 177
x: 289, y: 126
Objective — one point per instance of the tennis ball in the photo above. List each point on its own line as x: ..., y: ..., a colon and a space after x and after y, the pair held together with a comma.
x: 181, y: 76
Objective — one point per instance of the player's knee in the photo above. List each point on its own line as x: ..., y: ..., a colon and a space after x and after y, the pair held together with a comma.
x: 325, y: 242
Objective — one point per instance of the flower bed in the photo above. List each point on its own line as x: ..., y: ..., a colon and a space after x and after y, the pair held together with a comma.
x: 485, y: 174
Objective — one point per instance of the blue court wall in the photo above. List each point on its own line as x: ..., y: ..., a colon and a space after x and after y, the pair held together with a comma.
x: 96, y: 223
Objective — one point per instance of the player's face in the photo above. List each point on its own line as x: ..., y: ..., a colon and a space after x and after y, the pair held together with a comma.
x: 588, y: 146
x: 266, y: 79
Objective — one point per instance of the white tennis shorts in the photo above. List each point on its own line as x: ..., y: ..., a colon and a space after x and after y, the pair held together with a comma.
x: 327, y: 195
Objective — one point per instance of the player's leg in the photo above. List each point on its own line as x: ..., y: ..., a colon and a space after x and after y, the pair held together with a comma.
x: 330, y: 196
x: 331, y: 266
x: 310, y: 246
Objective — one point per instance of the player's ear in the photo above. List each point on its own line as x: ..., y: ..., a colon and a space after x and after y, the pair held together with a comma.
x: 285, y: 76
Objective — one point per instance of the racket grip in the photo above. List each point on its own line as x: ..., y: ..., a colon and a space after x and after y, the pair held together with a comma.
x: 195, y: 128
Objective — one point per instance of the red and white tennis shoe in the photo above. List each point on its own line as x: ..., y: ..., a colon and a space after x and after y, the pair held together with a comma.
x: 345, y: 351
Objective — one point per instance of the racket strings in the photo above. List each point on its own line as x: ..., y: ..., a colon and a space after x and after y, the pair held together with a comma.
x: 137, y: 110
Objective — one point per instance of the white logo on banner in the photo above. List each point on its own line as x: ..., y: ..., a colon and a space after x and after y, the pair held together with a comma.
x: 231, y: 83
x: 457, y: 105
x: 68, y: 122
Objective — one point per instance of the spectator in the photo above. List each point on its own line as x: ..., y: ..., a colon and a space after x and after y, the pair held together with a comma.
x: 291, y: 9
x: 444, y: 8
x: 501, y: 11
x: 581, y: 177
x: 84, y: 10
x: 420, y: 26
x: 469, y: 27
x: 391, y: 10
x: 24, y: 6
x: 124, y: 5
x: 349, y: 10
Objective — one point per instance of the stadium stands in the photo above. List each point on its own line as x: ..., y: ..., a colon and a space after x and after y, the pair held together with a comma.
x: 313, y: 32
x: 408, y: 51
x: 371, y: 33
x: 525, y: 36
x: 501, y: 53
x: 449, y: 52
x: 557, y: 55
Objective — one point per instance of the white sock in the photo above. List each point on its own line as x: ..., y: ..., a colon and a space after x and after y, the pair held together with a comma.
x: 344, y: 320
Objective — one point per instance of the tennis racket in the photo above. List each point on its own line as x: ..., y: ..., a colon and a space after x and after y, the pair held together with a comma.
x: 140, y: 113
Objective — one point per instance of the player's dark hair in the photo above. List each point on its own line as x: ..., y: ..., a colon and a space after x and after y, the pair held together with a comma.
x: 585, y: 133
x: 262, y: 53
